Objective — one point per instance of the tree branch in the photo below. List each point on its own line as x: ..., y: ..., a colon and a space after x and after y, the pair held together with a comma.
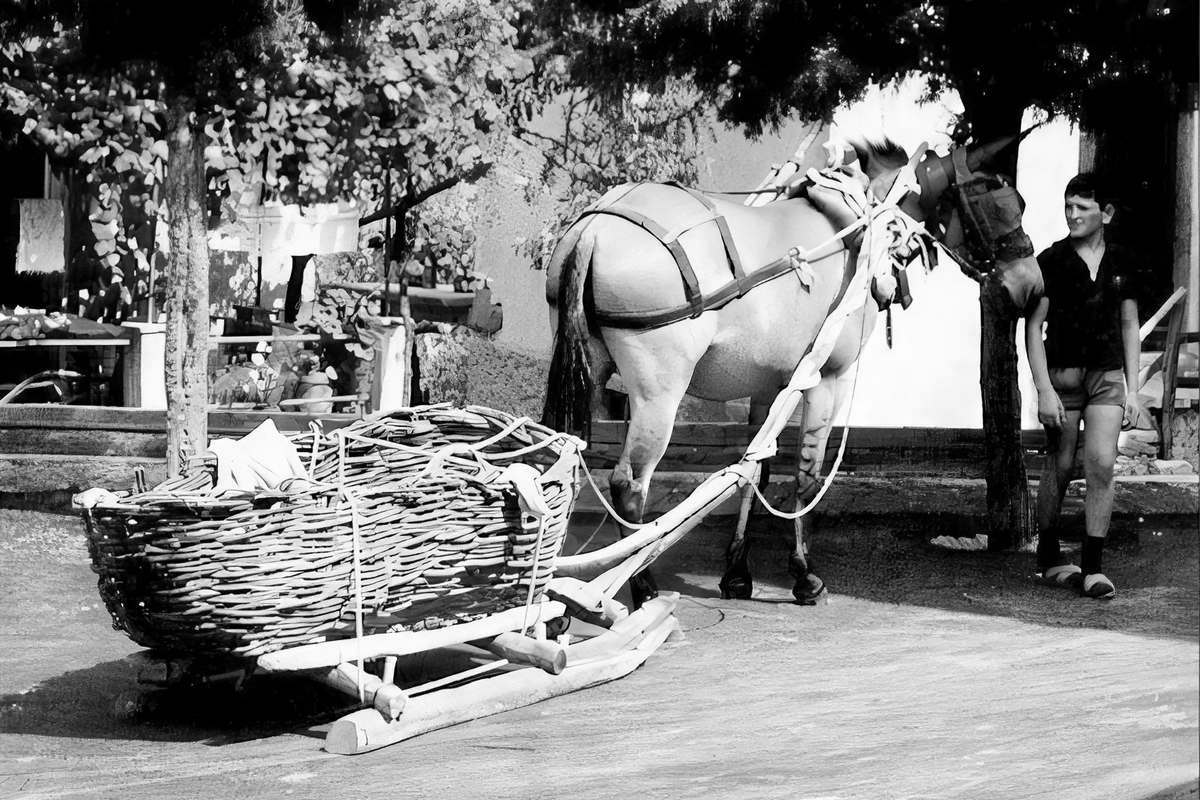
x: 412, y: 199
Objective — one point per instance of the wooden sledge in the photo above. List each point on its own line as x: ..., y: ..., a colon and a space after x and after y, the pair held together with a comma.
x: 574, y: 636
x: 513, y: 669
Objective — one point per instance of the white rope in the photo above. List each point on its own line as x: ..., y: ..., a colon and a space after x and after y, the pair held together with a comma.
x: 837, y: 462
x: 357, y: 555
x: 903, y: 230
x: 612, y: 512
x: 537, y: 555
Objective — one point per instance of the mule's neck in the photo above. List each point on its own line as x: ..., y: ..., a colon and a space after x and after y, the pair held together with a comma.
x: 1022, y: 278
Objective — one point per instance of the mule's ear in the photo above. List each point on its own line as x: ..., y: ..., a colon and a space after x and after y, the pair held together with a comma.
x: 985, y: 154
x: 918, y: 154
x: 935, y: 174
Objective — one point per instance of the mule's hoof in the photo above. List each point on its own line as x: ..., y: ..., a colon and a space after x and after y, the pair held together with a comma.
x: 736, y: 588
x: 809, y: 590
x: 642, y: 588
x: 641, y: 598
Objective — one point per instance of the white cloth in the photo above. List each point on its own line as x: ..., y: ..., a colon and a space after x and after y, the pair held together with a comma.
x: 278, y: 231
x: 262, y: 459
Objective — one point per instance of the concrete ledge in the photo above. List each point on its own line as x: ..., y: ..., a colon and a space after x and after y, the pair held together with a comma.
x: 47, y: 482
x: 957, y: 506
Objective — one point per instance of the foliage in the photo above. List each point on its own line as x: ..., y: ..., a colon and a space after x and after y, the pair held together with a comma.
x: 411, y: 90
x: 760, y: 62
x: 643, y: 136
x: 591, y: 132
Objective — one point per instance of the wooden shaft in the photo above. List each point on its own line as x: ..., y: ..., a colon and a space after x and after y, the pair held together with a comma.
x: 586, y: 602
x: 625, y: 632
x: 517, y: 648
x: 387, y: 698
x: 328, y: 654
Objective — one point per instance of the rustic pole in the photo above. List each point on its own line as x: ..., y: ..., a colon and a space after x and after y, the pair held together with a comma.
x: 186, y: 361
x: 1011, y: 521
x: 1009, y: 510
x: 387, y: 238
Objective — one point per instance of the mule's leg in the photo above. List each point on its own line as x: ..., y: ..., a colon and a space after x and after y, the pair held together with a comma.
x: 820, y: 405
x: 736, y: 582
x: 651, y: 421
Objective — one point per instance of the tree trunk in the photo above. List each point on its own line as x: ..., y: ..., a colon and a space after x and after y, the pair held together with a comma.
x: 187, y: 294
x: 1009, y: 510
x: 1011, y: 520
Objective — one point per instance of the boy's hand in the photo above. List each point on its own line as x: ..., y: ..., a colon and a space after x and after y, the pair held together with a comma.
x: 1050, y: 410
x: 1134, y: 411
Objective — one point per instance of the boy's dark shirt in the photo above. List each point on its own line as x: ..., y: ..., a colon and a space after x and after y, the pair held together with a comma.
x: 1083, y: 322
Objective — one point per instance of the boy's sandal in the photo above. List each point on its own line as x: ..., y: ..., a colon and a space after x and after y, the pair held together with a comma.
x: 1067, y: 576
x: 1098, y: 586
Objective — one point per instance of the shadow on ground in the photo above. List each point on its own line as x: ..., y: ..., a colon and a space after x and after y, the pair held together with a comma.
x: 1155, y: 572
x: 106, y: 702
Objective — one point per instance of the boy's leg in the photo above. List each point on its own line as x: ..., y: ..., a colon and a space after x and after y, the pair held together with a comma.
x: 1103, y: 426
x: 1056, y: 474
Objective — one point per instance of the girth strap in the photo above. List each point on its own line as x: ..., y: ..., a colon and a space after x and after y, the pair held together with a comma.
x: 644, y: 320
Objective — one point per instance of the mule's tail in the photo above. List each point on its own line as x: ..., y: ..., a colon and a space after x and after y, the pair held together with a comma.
x: 569, y: 385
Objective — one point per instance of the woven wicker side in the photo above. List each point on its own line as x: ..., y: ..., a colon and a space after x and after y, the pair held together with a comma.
x: 419, y: 539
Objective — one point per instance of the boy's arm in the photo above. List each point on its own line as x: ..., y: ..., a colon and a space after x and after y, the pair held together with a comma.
x: 1131, y: 348
x: 1050, y: 409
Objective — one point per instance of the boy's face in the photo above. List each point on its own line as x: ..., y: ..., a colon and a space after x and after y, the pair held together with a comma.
x: 1085, y: 216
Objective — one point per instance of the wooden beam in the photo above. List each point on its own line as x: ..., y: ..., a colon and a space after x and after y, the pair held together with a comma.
x: 367, y: 730
x: 330, y: 654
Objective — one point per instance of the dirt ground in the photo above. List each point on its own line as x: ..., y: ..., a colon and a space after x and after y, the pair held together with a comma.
x: 929, y: 674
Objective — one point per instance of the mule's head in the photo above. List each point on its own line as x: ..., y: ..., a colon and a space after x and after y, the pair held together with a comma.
x: 974, y: 210
x: 888, y: 171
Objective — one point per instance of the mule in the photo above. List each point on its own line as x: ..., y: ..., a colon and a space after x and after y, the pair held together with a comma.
x: 625, y: 284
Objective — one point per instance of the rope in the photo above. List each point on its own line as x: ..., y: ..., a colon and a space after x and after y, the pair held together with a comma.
x: 537, y: 556
x: 357, y: 553
x: 898, y: 223
x: 612, y: 512
x: 837, y: 461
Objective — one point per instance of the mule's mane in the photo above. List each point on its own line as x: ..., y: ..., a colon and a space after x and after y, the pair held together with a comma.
x: 885, y: 152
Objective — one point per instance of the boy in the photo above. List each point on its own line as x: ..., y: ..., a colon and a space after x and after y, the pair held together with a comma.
x: 1086, y: 368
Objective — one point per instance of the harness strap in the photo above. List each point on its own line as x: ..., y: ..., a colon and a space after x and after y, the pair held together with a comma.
x: 643, y: 320
x: 691, y: 286
x: 962, y: 173
x: 722, y: 225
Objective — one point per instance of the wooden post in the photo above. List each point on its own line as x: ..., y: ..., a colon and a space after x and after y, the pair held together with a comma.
x: 131, y: 368
x: 387, y: 238
x: 391, y: 339
x: 1187, y: 233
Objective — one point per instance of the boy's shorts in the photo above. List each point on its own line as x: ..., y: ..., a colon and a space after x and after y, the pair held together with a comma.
x: 1078, y: 387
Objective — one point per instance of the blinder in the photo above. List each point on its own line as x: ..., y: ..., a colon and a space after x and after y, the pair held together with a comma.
x: 975, y: 212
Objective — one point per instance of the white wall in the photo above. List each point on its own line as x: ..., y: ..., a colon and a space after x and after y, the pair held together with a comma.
x: 930, y: 377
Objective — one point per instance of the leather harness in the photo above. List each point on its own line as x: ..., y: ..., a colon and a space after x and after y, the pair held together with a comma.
x: 695, y: 302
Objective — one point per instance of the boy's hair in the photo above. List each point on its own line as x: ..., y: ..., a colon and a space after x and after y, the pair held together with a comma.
x: 1092, y: 186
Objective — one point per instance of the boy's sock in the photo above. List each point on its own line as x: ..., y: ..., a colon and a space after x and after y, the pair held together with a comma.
x: 1092, y: 548
x: 1048, y: 553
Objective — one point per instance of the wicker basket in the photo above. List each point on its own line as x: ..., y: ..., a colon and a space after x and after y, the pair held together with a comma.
x: 412, y: 498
